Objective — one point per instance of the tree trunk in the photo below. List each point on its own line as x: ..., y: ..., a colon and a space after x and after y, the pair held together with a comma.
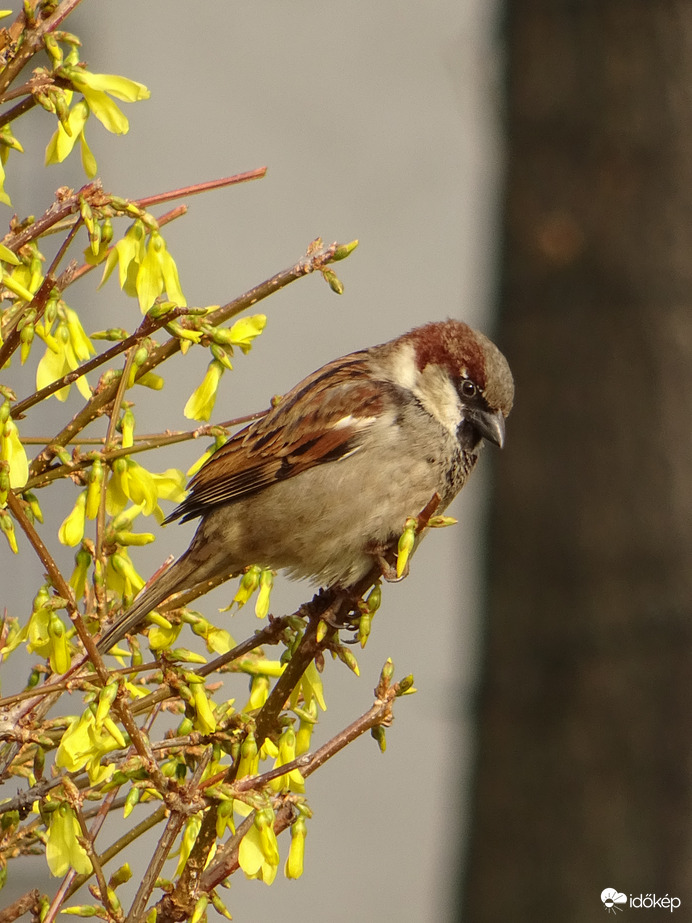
x: 585, y: 716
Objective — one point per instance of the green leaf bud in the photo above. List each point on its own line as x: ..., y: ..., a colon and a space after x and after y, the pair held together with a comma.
x: 378, y: 734
x: 331, y: 278
x: 344, y: 250
x: 346, y: 656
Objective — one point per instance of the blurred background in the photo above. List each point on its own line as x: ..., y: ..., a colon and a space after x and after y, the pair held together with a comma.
x: 376, y: 121
x: 525, y: 168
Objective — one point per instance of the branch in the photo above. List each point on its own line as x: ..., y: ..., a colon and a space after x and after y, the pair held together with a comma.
x: 173, y: 827
x: 142, y: 444
x: 198, y: 188
x: 226, y: 860
x: 128, y: 837
x: 315, y: 259
x: 120, y: 706
x: 145, y: 329
x: 28, y: 902
x: 32, y: 40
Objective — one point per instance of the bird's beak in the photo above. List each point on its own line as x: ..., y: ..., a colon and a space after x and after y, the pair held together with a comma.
x: 490, y: 425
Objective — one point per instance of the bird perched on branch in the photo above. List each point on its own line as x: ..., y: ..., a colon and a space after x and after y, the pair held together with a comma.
x: 328, y: 477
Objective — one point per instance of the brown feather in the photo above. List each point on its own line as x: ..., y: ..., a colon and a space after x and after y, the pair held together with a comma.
x: 290, y: 439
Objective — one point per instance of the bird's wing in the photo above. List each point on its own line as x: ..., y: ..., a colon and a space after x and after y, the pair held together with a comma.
x: 321, y: 420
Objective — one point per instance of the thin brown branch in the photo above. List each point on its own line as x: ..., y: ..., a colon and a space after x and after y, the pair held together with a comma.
x: 307, y: 649
x: 27, y: 902
x: 179, y: 193
x: 270, y: 634
x: 121, y: 706
x: 32, y: 41
x: 146, y: 443
x: 121, y: 843
x: 226, y: 860
x: 63, y: 206
x: 314, y: 259
x: 174, y: 213
x: 99, y: 554
x: 26, y: 105
x: 38, y: 304
x: 95, y: 863
x: 198, y: 188
x: 302, y: 657
x: 145, y: 329
x: 163, y: 847
x: 61, y: 896
x: 155, y: 440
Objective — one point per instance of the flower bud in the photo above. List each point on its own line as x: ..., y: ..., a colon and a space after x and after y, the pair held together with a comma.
x: 405, y: 546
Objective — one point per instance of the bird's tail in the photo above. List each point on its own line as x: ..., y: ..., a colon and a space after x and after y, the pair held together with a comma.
x: 181, y: 574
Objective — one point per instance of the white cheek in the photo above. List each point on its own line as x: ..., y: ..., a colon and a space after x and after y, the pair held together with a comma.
x: 404, y: 370
x: 438, y: 395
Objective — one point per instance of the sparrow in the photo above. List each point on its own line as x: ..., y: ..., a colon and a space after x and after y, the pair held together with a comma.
x: 329, y: 476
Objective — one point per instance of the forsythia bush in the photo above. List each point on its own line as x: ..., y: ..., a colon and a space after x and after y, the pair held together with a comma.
x: 231, y: 776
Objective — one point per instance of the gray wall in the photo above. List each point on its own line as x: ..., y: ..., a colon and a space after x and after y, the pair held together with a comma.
x: 376, y: 121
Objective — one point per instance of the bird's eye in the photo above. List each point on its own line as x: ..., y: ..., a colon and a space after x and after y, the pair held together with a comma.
x: 468, y: 389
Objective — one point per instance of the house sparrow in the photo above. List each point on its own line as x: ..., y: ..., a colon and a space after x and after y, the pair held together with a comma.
x: 332, y: 472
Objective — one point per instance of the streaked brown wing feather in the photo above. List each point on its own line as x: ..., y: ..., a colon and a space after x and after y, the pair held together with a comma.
x: 293, y: 436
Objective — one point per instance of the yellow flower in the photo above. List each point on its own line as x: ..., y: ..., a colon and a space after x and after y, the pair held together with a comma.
x: 95, y: 87
x: 201, y: 402
x: 63, y: 850
x: 71, y: 532
x: 158, y: 273
x: 12, y: 451
x: 296, y: 854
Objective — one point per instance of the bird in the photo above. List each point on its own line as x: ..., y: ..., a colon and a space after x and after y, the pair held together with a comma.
x: 328, y: 477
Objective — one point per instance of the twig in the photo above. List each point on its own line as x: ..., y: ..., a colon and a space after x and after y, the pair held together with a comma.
x: 226, y: 860
x: 95, y: 863
x: 154, y: 440
x: 198, y: 188
x: 120, y: 705
x: 99, y: 556
x: 172, y: 215
x: 128, y: 837
x: 22, y: 905
x: 173, y: 827
x: 33, y: 40
x: 141, y: 444
x: 313, y: 260
x: 61, y: 208
x: 26, y: 105
x: 145, y: 329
